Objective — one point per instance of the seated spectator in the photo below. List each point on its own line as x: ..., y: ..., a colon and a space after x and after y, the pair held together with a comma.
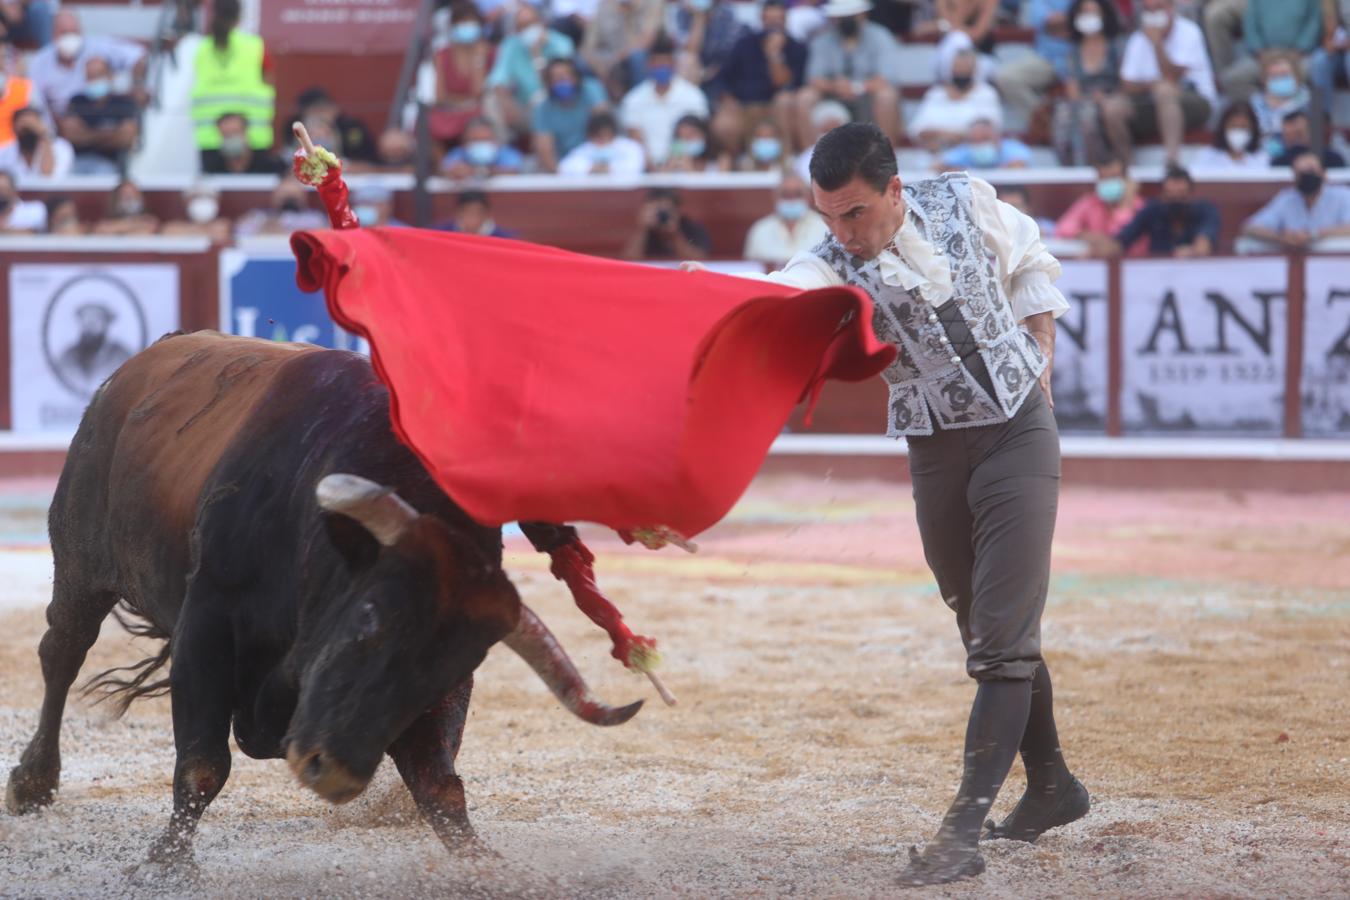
x: 759, y: 82
x: 1300, y: 216
x: 231, y: 72
x: 573, y: 17
x: 100, y: 125
x: 125, y: 213
x: 650, y: 111
x: 462, y: 69
x: 791, y: 228
x: 202, y: 204
x: 1291, y: 27
x: 59, y: 70
x: 969, y: 25
x: 558, y: 121
x: 1176, y: 224
x: 705, y: 33
x: 482, y: 155
x: 473, y: 215
x: 765, y: 152
x: 374, y: 206
x: 694, y: 150
x: 289, y: 211
x: 664, y: 232
x: 1166, y: 73
x: 317, y: 109
x: 35, y: 152
x: 949, y: 109
x: 26, y: 23
x: 1093, y: 81
x: 1105, y: 211
x: 1019, y: 198
x: 605, y: 152
x: 1281, y: 95
x: 19, y: 216
x: 63, y: 216
x: 235, y: 156
x: 1024, y: 81
x: 827, y: 116
x: 1296, y: 138
x: 514, y: 79
x: 616, y: 44
x: 986, y: 148
x: 1236, y: 144
x: 395, y: 151
x: 855, y: 62
x: 16, y: 93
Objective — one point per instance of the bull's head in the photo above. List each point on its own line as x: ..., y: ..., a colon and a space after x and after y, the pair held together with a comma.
x: 421, y: 606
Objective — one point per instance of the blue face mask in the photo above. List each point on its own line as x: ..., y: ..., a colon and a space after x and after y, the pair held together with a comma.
x: 766, y: 149
x: 985, y: 155
x: 602, y: 154
x: 790, y: 210
x: 692, y: 149
x: 97, y: 90
x: 563, y: 91
x: 466, y: 32
x: 700, y: 5
x: 367, y: 214
x: 1283, y: 85
x: 1274, y: 146
x: 481, y: 153
x: 662, y: 75
x: 1111, y: 189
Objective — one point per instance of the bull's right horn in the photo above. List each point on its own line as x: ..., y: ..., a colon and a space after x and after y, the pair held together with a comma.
x: 541, y: 650
x: 384, y: 513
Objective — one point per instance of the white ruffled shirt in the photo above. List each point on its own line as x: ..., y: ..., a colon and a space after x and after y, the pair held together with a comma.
x: 1025, y: 266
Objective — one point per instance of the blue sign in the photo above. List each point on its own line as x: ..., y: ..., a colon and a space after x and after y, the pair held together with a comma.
x: 259, y: 298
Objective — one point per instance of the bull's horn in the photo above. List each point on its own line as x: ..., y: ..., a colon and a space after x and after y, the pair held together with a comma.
x: 384, y: 514
x: 541, y: 650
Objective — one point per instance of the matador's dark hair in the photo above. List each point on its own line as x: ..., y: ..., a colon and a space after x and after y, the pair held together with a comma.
x: 857, y: 149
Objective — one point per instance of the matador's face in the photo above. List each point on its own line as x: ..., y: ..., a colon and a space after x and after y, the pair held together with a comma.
x: 861, y: 218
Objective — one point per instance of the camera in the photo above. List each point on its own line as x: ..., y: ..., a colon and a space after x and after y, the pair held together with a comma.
x: 663, y: 217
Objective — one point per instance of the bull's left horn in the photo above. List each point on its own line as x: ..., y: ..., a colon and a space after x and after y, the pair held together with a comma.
x: 384, y: 513
x: 541, y: 650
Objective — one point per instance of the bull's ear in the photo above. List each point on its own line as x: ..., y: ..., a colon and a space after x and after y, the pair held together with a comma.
x: 353, y: 540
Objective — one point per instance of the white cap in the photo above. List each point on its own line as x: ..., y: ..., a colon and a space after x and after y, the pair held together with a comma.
x: 837, y: 9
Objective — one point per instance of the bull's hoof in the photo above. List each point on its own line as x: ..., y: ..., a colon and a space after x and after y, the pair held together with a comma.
x: 30, y: 790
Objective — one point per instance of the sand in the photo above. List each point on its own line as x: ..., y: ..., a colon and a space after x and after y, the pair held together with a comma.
x: 1201, y: 650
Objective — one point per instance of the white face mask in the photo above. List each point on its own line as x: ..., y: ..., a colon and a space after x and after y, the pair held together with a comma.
x: 1238, y: 139
x: 68, y: 45
x: 1088, y: 23
x: 532, y: 34
x: 202, y: 209
x: 1156, y: 18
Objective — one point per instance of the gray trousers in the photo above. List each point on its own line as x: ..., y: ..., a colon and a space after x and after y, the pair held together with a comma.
x: 986, y: 499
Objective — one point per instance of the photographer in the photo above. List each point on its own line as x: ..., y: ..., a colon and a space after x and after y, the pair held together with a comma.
x: 664, y: 233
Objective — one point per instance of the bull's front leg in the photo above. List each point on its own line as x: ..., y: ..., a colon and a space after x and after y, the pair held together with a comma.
x: 425, y: 756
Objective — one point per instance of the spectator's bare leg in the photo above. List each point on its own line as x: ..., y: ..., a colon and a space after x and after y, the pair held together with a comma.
x: 514, y: 118
x: 1223, y: 24
x: 1171, y: 120
x: 1024, y: 81
x: 783, y: 109
x: 1240, y: 80
x: 729, y: 125
x: 1116, y: 112
x: 886, y: 111
x: 807, y: 98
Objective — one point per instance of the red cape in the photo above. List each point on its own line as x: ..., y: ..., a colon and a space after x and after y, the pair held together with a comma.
x: 537, y: 384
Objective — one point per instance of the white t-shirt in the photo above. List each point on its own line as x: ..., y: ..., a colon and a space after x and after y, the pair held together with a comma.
x: 1185, y: 47
x: 58, y: 83
x: 624, y: 156
x: 1212, y: 158
x: 63, y: 156
x: 26, y: 215
x: 940, y: 112
x: 654, y: 116
x: 770, y: 241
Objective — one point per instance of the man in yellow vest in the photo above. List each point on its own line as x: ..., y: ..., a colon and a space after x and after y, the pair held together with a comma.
x: 230, y: 79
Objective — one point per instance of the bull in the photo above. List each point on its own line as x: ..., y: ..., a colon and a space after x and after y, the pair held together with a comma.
x: 247, y: 503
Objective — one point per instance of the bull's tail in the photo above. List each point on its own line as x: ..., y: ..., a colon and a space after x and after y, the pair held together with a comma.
x: 124, y: 685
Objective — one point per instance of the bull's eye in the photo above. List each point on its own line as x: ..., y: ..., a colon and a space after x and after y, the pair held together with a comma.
x: 367, y: 622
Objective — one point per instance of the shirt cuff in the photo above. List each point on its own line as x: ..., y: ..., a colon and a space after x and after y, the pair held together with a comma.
x: 1033, y: 293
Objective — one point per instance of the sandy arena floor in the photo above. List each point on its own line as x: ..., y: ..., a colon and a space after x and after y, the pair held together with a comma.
x: 1201, y: 650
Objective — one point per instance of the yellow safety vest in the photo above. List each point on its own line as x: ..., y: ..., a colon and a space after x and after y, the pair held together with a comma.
x: 231, y: 82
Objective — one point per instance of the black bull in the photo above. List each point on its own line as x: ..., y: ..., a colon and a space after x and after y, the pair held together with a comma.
x: 331, y: 618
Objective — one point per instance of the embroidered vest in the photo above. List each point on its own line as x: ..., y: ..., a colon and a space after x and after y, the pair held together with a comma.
x: 929, y: 377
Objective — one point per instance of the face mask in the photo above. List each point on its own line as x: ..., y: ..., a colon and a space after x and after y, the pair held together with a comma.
x: 1158, y: 18
x: 602, y: 153
x: 790, y: 210
x: 962, y: 82
x: 563, y: 90
x: 1111, y: 189
x: 1238, y: 139
x: 1088, y: 23
x: 129, y: 208
x: 291, y: 205
x: 466, y: 32
x: 1177, y: 209
x: 661, y: 74
x: 532, y: 34
x: 1308, y: 183
x: 848, y: 27
x: 69, y: 45
x: 700, y: 5
x: 202, y: 209
x: 481, y: 153
x: 984, y: 155
x: 97, y: 90
x: 1283, y: 86
x: 766, y: 149
x: 28, y: 141
x: 692, y: 149
x: 1274, y: 146
x: 367, y: 214
x: 233, y: 146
